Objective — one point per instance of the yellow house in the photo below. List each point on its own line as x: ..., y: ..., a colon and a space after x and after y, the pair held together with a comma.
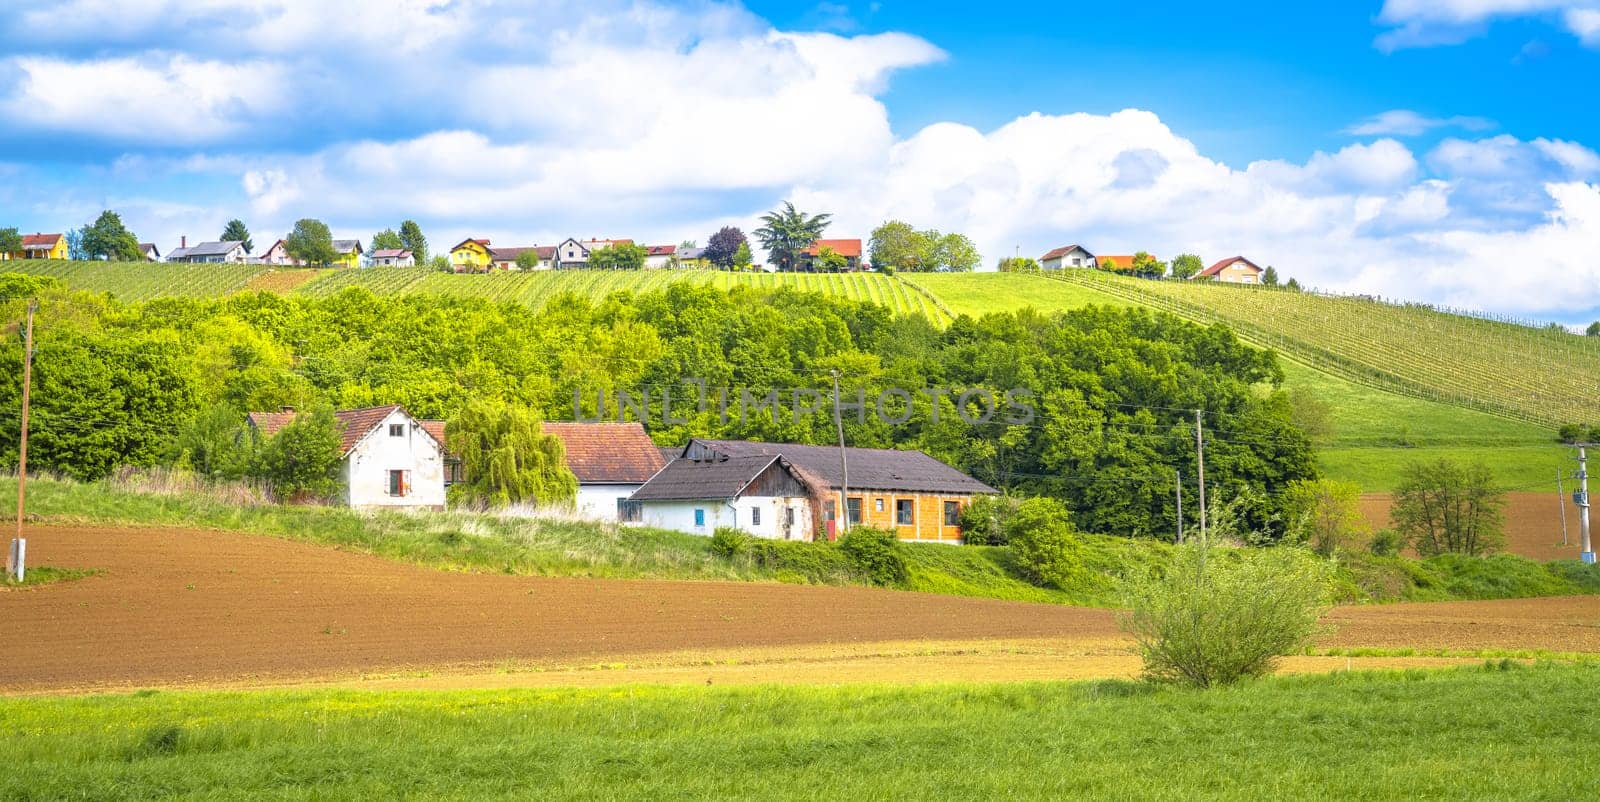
x: 471, y: 256
x: 40, y: 246
x: 349, y: 253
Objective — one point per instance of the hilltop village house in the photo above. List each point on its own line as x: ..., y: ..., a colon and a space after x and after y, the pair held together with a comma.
x: 611, y: 461
x: 392, y: 257
x: 39, y: 246
x: 349, y: 253
x: 388, y: 458
x: 1067, y: 256
x: 506, y: 258
x: 149, y: 251
x: 850, y: 249
x: 791, y: 492
x: 224, y: 252
x: 277, y: 254
x: 1233, y: 270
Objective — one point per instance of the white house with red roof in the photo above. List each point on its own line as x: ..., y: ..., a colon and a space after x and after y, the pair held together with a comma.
x: 392, y: 257
x: 659, y: 256
x: 1233, y: 270
x: 850, y: 249
x: 1067, y: 257
x: 389, y: 459
x: 611, y: 461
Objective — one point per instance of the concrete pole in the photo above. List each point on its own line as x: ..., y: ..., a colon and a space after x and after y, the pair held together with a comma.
x: 1583, y: 507
x: 844, y: 465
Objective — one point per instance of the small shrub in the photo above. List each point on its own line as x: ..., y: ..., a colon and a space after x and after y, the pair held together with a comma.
x: 876, y: 553
x: 158, y: 741
x: 818, y: 563
x: 1216, y: 618
x: 728, y: 543
x: 983, y: 520
x: 1386, y: 543
x: 1043, y: 540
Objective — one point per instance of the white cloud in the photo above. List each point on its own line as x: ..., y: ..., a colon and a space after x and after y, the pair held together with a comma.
x: 1402, y: 122
x: 151, y: 99
x: 1426, y: 23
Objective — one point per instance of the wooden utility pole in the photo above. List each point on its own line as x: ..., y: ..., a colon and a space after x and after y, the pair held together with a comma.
x: 1180, y: 505
x: 844, y: 465
x: 1200, y: 469
x: 17, y: 554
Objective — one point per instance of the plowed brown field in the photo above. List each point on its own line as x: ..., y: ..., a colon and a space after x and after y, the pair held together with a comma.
x: 185, y: 607
x: 1533, y: 523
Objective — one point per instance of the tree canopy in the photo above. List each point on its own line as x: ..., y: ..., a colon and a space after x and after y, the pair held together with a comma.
x: 1186, y: 265
x: 10, y: 240
x: 235, y: 231
x: 411, y: 239
x: 506, y: 458
x: 620, y: 256
x: 897, y: 246
x: 724, y: 245
x: 528, y: 259
x: 310, y: 242
x: 107, y: 238
x: 785, y: 232
x: 388, y: 240
x: 1448, y: 507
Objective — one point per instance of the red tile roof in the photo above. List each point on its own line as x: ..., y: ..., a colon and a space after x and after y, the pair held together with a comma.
x: 354, y: 424
x: 1063, y: 251
x: 661, y: 250
x: 843, y: 247
x: 1122, y: 260
x: 39, y: 241
x: 608, y: 453
x: 1223, y: 265
x: 391, y: 253
x: 435, y: 429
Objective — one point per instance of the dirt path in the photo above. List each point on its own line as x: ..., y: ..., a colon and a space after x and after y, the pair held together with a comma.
x: 185, y: 607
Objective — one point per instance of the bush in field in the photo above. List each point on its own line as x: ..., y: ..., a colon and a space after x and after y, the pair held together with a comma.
x: 1445, y: 507
x: 876, y: 552
x: 728, y: 543
x: 302, y: 458
x: 1042, y: 539
x: 983, y: 520
x: 1386, y: 543
x: 1325, y: 515
x: 1218, y: 616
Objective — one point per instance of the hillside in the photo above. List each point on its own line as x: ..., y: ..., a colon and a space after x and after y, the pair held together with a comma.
x: 1397, y: 381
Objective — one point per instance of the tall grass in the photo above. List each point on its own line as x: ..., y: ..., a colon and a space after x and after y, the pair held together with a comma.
x: 1501, y: 731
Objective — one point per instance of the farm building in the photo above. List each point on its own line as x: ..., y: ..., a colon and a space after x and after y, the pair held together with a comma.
x: 389, y: 459
x: 693, y: 257
x: 1233, y: 270
x: 611, y: 461
x: 907, y: 492
x: 224, y: 252
x: 658, y: 256
x: 762, y: 494
x: 573, y: 254
x: 1067, y: 257
x: 506, y: 258
x: 850, y: 249
x: 393, y: 257
x: 150, y: 252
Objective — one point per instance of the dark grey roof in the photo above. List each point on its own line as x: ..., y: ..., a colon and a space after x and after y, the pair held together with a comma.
x: 222, y: 248
x: 692, y: 253
x: 689, y: 479
x: 346, y: 245
x: 870, y: 468
x: 670, y: 453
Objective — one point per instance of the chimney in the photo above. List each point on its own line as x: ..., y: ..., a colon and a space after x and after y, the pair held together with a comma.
x: 183, y: 241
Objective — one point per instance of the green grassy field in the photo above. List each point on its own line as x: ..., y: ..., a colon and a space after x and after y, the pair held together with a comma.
x: 1499, y: 731
x: 981, y: 293
x: 1514, y: 370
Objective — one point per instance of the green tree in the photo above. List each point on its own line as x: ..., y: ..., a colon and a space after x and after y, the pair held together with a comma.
x: 1326, y: 515
x: 506, y: 458
x: 387, y: 240
x: 830, y: 261
x: 620, y: 256
x: 742, y: 258
x: 1109, y: 265
x: 1041, y: 537
x: 1018, y: 264
x: 956, y: 252
x: 1592, y: 331
x: 215, y: 444
x: 1269, y: 277
x: 1146, y: 265
x: 311, y: 242
x: 107, y: 238
x: 528, y: 259
x: 412, y: 240
x: 1213, y: 618
x: 439, y: 262
x: 896, y: 245
x: 984, y: 521
x: 301, y: 461
x: 75, y: 250
x: 1185, y: 265
x: 235, y: 231
x: 1446, y: 507
x: 785, y: 232
x: 1292, y: 285
x: 11, y: 241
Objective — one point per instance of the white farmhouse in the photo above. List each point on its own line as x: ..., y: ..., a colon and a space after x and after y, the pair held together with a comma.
x: 1067, y: 257
x: 224, y: 252
x: 390, y: 459
x: 763, y: 495
x: 611, y: 461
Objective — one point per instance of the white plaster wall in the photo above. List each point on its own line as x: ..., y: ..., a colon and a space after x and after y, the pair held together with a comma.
x: 366, y: 470
x: 599, y: 502
x: 679, y: 516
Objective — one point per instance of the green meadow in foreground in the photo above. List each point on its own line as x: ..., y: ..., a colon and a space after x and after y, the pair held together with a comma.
x: 1493, y: 732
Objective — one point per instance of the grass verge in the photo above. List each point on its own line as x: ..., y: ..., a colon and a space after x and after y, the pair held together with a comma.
x: 46, y: 575
x: 1500, y: 730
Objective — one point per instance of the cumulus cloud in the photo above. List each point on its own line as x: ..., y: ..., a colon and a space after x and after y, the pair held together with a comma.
x: 1427, y: 23
x: 1402, y: 122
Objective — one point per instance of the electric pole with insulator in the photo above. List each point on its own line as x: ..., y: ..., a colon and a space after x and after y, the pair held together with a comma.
x: 1581, y: 498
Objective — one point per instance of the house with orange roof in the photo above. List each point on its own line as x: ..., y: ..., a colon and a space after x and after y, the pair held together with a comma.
x: 611, y: 461
x: 388, y: 459
x: 850, y: 249
x: 1233, y: 270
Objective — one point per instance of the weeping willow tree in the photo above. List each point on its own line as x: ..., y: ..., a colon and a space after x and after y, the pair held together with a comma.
x: 506, y: 458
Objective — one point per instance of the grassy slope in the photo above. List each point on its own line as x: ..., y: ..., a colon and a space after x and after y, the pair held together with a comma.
x: 1469, y: 733
x: 474, y: 542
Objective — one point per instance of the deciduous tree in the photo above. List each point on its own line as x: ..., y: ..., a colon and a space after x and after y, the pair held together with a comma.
x: 1269, y: 277
x: 506, y: 458
x: 412, y: 240
x: 621, y: 256
x: 1018, y: 264
x: 1185, y: 265
x: 1326, y: 515
x: 11, y: 242
x: 311, y: 242
x: 528, y: 259
x: 387, y: 240
x: 1445, y: 506
x: 724, y: 245
x: 107, y: 238
x: 301, y: 460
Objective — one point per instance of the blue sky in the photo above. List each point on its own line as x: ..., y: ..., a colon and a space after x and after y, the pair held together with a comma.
x: 1409, y: 148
